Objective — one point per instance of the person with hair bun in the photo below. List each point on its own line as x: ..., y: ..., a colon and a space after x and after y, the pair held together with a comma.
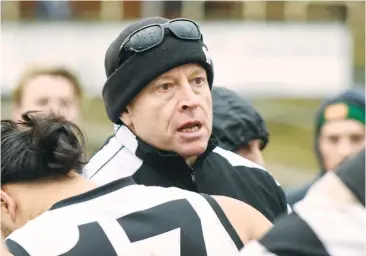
x: 48, y: 208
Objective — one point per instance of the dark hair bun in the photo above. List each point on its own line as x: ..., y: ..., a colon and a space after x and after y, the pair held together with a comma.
x: 58, y: 142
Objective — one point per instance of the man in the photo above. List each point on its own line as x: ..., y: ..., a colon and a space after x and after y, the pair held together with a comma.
x: 339, y: 132
x: 331, y: 220
x: 158, y: 96
x: 50, y: 88
x: 237, y: 125
x: 48, y: 209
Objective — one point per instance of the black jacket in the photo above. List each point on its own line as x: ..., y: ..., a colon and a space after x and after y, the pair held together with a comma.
x: 216, y: 172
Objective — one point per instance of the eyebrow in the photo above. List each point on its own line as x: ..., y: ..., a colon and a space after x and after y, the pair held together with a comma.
x: 165, y: 76
x: 197, y: 72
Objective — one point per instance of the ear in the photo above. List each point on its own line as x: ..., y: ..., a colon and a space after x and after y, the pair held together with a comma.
x: 126, y: 117
x: 8, y: 205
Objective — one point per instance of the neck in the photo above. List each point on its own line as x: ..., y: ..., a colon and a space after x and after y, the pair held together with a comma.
x: 50, y: 193
x: 191, y: 160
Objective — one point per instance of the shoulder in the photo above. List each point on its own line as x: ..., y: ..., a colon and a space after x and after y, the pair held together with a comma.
x: 312, y: 227
x: 42, y: 231
x: 291, y: 233
x: 243, y: 165
x: 113, y: 161
x: 253, y: 175
x: 236, y: 209
x: 106, y: 153
x: 235, y: 159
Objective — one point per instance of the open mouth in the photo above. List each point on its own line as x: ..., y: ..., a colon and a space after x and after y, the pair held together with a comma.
x: 190, y: 127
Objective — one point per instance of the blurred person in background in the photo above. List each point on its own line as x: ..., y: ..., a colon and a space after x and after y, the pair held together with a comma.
x: 158, y: 95
x: 329, y: 221
x: 237, y: 125
x: 48, y: 88
x: 339, y: 132
x: 48, y: 208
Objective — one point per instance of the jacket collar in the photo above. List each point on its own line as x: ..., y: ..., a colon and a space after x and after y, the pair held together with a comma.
x: 154, y: 156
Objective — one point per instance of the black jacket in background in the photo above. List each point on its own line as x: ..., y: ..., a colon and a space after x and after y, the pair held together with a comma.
x: 235, y: 120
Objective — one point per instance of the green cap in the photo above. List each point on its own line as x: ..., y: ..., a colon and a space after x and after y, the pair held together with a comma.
x: 342, y: 111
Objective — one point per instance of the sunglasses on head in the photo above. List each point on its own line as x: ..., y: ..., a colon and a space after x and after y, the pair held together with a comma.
x: 152, y: 35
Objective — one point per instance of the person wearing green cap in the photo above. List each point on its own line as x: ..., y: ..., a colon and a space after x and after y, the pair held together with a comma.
x: 339, y: 132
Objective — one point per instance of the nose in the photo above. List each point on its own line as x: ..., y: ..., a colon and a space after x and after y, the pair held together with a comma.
x: 344, y: 148
x: 188, y: 98
x: 54, y: 107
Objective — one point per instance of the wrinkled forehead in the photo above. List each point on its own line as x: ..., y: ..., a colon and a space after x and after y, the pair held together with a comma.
x: 342, y: 127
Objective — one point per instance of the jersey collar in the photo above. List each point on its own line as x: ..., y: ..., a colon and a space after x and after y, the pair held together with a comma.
x: 97, y: 192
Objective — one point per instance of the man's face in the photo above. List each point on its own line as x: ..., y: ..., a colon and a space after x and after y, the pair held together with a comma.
x: 340, y: 139
x: 49, y: 93
x: 174, y: 112
x: 252, y: 152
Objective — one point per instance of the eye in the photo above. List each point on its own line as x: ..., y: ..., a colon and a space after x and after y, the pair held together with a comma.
x: 357, y: 138
x: 42, y: 102
x: 198, y: 81
x: 333, y: 139
x: 164, y: 87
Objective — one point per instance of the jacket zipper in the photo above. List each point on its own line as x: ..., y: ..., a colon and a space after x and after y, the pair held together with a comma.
x: 193, y: 177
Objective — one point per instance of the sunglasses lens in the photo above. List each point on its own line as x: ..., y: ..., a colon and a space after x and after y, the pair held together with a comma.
x: 146, y: 38
x: 151, y: 36
x: 185, y: 29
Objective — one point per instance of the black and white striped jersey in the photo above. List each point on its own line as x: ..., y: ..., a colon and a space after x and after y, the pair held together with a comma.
x: 320, y: 225
x: 326, y: 231
x: 121, y: 217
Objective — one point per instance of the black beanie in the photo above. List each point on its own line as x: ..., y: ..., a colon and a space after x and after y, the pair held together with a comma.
x: 124, y: 83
